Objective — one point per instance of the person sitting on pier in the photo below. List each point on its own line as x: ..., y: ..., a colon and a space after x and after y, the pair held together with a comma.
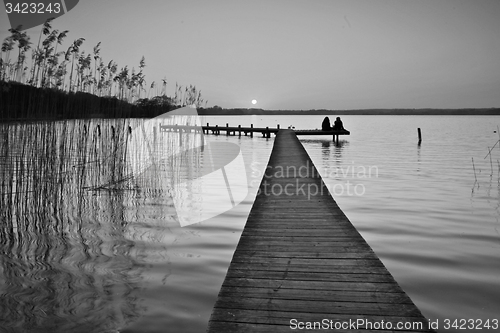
x: 338, y: 124
x: 325, y: 125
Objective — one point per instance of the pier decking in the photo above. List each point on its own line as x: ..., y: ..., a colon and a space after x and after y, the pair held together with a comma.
x: 300, y: 262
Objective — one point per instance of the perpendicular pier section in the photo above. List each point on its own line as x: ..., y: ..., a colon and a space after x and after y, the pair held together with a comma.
x: 301, y: 263
x: 266, y: 131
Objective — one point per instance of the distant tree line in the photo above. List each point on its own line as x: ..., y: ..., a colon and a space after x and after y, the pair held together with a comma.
x: 216, y: 110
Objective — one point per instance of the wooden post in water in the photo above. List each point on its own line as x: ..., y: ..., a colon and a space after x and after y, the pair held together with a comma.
x: 227, y: 130
x: 419, y: 136
x: 268, y: 134
x: 239, y: 130
x: 208, y: 125
x: 216, y: 130
x: 154, y: 136
x: 251, y: 131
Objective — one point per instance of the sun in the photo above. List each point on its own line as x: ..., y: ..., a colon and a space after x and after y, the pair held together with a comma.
x: 254, y: 101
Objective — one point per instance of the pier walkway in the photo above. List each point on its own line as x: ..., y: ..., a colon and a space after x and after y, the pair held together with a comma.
x: 300, y: 263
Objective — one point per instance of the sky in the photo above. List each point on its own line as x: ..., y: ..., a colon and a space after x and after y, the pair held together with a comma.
x: 302, y: 54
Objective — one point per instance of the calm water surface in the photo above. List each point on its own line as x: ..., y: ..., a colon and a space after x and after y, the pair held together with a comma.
x: 119, y: 260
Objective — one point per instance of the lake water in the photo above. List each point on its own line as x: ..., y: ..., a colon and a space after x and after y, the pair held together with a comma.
x: 118, y: 260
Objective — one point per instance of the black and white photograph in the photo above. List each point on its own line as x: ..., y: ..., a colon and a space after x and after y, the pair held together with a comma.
x: 248, y: 166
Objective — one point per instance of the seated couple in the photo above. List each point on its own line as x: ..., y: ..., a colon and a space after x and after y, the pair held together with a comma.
x: 325, y: 125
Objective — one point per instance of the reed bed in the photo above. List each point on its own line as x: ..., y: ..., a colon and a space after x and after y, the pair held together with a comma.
x: 51, y: 83
x: 69, y: 181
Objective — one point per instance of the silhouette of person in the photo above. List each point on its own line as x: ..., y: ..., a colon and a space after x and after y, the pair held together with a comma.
x: 338, y: 124
x: 325, y: 125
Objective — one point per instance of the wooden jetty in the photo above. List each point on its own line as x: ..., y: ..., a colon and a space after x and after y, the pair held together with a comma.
x: 301, y: 263
x: 266, y: 131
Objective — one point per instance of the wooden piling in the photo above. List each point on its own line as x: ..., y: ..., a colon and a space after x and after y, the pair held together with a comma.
x: 299, y: 257
x: 155, y: 137
x: 419, y: 136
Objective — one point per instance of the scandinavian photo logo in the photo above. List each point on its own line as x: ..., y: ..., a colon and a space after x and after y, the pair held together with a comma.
x: 24, y: 15
x: 349, y: 179
x: 205, y: 179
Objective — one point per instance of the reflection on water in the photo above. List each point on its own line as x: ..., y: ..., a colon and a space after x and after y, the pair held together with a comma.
x: 63, y: 270
x: 72, y: 251
x: 331, y: 151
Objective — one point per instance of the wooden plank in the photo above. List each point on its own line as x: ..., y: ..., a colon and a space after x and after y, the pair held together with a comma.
x: 322, y: 295
x: 275, y: 284
x: 320, y: 250
x: 360, y: 251
x: 309, y: 268
x: 343, y: 247
x: 312, y: 232
x: 276, y: 224
x: 310, y: 276
x: 313, y: 244
x: 311, y: 264
x: 318, y: 306
x: 263, y: 220
x: 300, y: 257
x: 289, y: 239
x: 293, y: 254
